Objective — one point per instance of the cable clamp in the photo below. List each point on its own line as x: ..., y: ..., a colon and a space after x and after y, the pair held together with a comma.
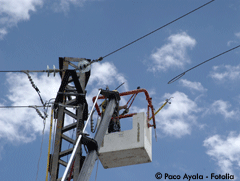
x: 100, y: 58
x: 97, y: 60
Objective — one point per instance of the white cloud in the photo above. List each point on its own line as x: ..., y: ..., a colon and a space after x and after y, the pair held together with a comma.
x: 226, y: 151
x: 231, y: 42
x: 104, y: 74
x: 173, y: 54
x: 237, y: 34
x: 226, y: 72
x: 177, y: 119
x: 14, y: 11
x: 22, y: 124
x: 234, y: 41
x: 192, y: 85
x: 3, y: 32
x: 64, y: 5
x: 135, y: 109
x: 151, y: 92
x: 221, y: 107
x: 19, y: 126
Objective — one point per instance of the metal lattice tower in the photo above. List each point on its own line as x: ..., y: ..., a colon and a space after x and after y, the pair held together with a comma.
x: 69, y: 96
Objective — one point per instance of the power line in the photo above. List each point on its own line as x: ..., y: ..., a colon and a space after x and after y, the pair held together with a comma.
x: 54, y: 71
x: 157, y: 29
x: 101, y: 58
x: 31, y: 81
x: 23, y: 106
x: 50, y: 70
x: 43, y: 116
x: 44, y: 105
x: 182, y: 74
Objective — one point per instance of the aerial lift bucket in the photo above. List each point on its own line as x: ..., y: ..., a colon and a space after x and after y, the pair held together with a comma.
x: 133, y: 146
x: 128, y: 147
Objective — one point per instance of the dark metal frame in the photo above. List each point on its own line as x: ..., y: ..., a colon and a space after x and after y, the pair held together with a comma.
x: 63, y: 100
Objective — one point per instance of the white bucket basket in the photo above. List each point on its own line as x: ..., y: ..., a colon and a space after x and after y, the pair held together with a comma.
x: 128, y: 147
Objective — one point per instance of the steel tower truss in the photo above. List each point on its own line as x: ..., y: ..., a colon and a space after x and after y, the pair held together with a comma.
x: 71, y: 94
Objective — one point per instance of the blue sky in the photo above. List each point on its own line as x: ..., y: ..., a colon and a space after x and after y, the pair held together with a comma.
x: 197, y: 133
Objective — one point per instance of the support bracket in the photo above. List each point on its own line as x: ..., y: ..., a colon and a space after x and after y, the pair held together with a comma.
x: 111, y: 94
x: 89, y: 142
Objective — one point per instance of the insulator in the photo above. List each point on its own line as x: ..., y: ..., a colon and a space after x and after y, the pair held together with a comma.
x: 92, y: 123
x: 84, y: 66
x: 54, y: 70
x: 92, y: 126
x: 31, y: 81
x: 48, y: 71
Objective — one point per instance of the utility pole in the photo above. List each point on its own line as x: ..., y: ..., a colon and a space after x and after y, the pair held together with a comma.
x: 69, y: 96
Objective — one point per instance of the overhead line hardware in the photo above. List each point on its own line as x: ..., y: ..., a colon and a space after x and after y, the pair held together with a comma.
x: 36, y: 71
x: 34, y: 107
x: 166, y: 101
x: 39, y: 113
x: 22, y: 106
x: 81, y: 67
x: 157, y: 29
x: 84, y: 66
x: 182, y: 74
x: 34, y: 86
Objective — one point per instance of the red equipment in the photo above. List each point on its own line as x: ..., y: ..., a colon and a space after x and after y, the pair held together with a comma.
x: 134, y: 93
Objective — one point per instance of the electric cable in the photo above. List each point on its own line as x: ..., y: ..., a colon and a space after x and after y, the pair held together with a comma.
x: 34, y: 107
x: 44, y: 123
x: 154, y: 30
x: 45, y: 106
x: 101, y: 58
x: 40, y: 97
x: 2, y: 107
x: 37, y: 71
x: 40, y: 114
x: 49, y: 143
x: 182, y: 74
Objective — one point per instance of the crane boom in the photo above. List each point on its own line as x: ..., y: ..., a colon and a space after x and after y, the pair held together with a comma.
x: 92, y: 156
